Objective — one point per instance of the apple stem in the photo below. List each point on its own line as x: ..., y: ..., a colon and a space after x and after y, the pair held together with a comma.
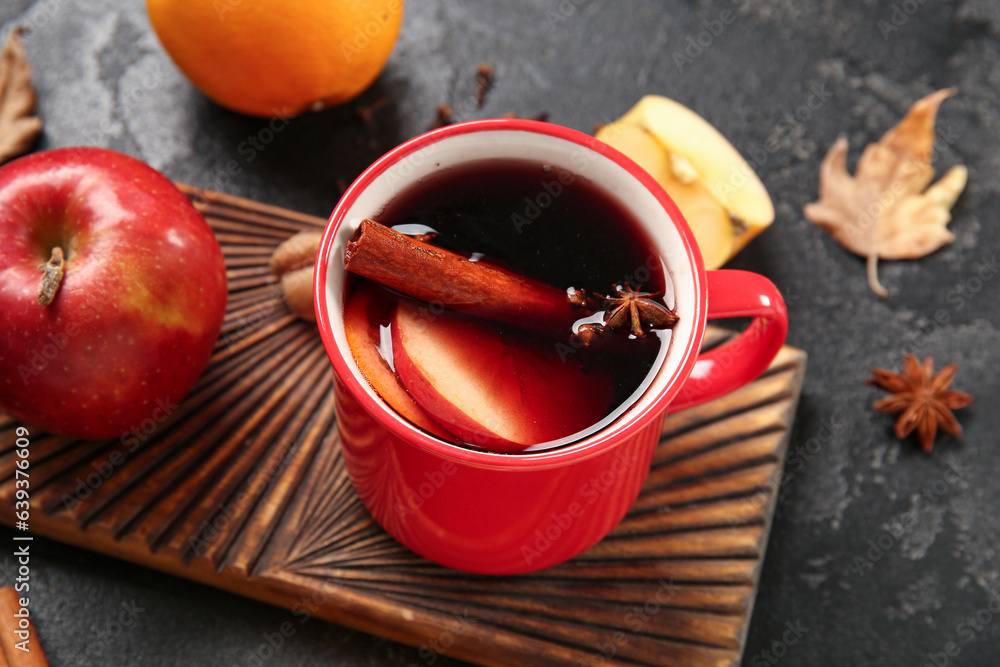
x: 53, y: 271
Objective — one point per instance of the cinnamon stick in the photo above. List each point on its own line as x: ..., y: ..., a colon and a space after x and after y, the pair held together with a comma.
x: 446, y: 279
x: 13, y: 622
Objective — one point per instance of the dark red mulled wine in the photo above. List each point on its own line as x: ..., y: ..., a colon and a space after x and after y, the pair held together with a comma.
x: 496, y: 386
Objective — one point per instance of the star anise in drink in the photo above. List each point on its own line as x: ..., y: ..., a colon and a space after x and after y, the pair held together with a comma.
x: 633, y: 310
x: 637, y: 311
x: 922, y: 399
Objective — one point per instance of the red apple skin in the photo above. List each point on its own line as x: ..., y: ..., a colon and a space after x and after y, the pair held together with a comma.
x: 464, y: 373
x: 139, y: 308
x: 368, y: 307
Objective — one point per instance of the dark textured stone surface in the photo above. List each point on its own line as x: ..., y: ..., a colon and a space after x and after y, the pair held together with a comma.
x: 103, y: 79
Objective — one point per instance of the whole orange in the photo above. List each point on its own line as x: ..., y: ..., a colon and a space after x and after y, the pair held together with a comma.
x: 278, y: 57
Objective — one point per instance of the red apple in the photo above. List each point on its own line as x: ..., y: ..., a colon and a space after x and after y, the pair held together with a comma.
x: 501, y: 390
x: 137, y: 311
x: 368, y: 310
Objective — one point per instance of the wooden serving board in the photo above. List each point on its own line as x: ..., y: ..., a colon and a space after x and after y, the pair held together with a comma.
x: 244, y: 488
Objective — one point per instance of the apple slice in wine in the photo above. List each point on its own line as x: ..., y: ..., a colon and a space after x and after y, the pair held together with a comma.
x: 494, y: 387
x: 368, y: 307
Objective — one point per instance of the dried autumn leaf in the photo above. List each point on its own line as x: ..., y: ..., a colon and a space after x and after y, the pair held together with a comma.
x: 18, y: 128
x: 884, y: 210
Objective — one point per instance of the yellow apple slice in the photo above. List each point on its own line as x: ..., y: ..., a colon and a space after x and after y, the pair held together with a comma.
x: 719, y: 165
x: 699, y: 156
x: 713, y: 229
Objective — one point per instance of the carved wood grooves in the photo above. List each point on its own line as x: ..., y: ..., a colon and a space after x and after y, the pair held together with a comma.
x: 243, y: 487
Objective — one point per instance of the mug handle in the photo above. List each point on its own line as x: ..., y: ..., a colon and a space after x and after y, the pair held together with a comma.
x: 728, y: 367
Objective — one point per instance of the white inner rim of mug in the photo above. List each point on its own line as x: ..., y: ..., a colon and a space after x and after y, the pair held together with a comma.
x: 585, y: 163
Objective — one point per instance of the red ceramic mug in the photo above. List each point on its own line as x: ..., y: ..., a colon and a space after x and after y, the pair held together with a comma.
x: 493, y: 513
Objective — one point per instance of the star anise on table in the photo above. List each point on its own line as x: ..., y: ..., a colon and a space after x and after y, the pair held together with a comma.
x: 923, y: 399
